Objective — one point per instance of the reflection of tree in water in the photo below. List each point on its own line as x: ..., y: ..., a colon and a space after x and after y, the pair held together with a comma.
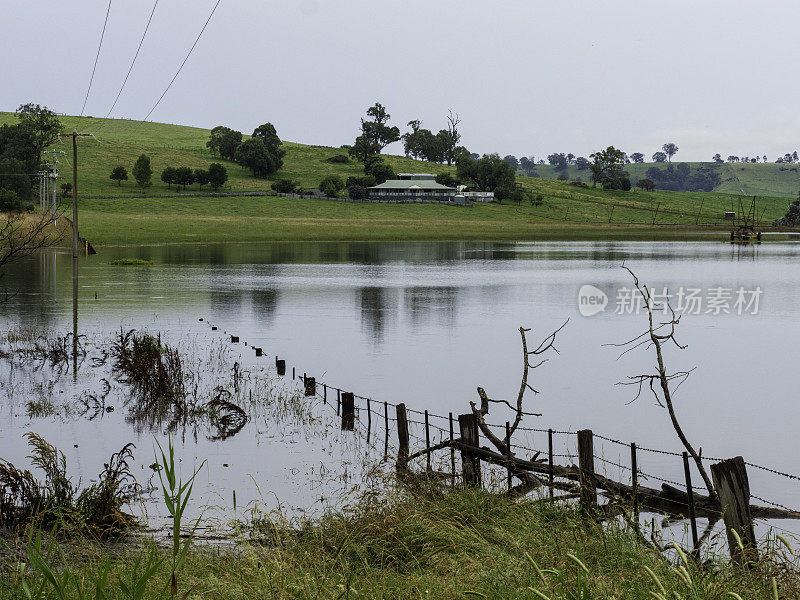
x: 423, y: 303
x: 265, y: 303
x: 373, y: 311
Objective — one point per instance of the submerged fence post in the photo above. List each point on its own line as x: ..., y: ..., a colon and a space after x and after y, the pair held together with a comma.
x: 348, y: 411
x: 402, y: 437
x: 324, y: 393
x: 690, y: 495
x: 635, y: 484
x: 550, y: 460
x: 733, y: 487
x: 338, y: 402
x: 311, y: 386
x: 280, y: 366
x: 470, y: 464
x: 588, y: 491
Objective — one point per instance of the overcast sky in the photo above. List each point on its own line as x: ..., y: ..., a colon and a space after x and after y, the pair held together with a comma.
x: 526, y: 77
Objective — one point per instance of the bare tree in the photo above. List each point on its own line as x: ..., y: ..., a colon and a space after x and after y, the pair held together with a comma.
x: 22, y: 234
x: 656, y: 336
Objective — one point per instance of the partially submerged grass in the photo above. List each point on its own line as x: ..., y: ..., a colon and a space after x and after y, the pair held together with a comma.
x: 465, y: 544
x: 55, y: 501
x: 131, y: 262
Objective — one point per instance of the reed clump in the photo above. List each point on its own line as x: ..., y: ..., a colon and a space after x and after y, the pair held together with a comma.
x: 56, y: 502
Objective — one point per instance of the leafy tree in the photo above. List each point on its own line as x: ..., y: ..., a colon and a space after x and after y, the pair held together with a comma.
x: 119, y: 174
x: 217, y: 175
x: 201, y: 177
x: 670, y: 150
x: 224, y: 141
x: 528, y: 166
x: 448, y: 180
x: 647, y: 185
x: 11, y: 202
x: 365, y: 181
x: 659, y: 157
x: 717, y: 158
x: 682, y: 178
x: 637, y: 157
x: 168, y: 176
x: 184, y: 176
x: 617, y: 179
x: 733, y: 158
x: 488, y: 173
x: 375, y: 134
x: 285, y: 186
x: 42, y: 122
x: 570, y: 158
x: 20, y: 157
x: 792, y: 217
x: 378, y: 169
x: 331, y: 186
x: 253, y: 154
x: 512, y: 160
x: 273, y: 143
x: 66, y: 189
x: 606, y: 164
x: 356, y: 192
x: 142, y: 171
x: 581, y: 163
x: 558, y: 160
x: 14, y: 178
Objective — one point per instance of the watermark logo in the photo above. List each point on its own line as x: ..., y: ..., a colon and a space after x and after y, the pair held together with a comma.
x: 591, y: 300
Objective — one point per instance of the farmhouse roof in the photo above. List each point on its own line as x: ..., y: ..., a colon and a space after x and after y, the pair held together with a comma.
x: 411, y: 184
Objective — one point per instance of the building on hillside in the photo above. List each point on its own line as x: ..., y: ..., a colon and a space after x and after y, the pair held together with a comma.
x: 412, y: 186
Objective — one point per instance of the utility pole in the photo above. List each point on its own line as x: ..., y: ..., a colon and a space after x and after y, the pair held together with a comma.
x: 54, y: 176
x: 75, y: 136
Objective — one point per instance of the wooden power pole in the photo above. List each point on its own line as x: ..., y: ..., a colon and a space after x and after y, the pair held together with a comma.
x: 75, y: 136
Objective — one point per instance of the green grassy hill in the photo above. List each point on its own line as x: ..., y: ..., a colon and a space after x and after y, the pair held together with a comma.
x: 120, y: 142
x: 109, y: 215
x: 762, y: 179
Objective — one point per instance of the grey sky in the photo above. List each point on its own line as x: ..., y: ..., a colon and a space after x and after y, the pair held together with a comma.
x: 527, y: 78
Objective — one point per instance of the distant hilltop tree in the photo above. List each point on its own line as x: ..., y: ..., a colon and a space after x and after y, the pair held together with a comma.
x: 637, y: 157
x: 606, y: 164
x: 717, y: 158
x: 43, y: 124
x: 659, y: 157
x: 670, y: 150
x: 375, y: 133
x: 168, y: 176
x: 272, y: 142
x: 425, y: 145
x: 224, y: 141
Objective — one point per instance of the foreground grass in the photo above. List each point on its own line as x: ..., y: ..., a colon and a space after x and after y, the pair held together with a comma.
x: 463, y: 545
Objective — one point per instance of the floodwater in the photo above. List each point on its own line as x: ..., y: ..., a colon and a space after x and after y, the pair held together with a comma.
x: 426, y: 324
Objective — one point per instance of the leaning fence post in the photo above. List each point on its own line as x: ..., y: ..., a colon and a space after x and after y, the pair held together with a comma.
x: 690, y: 494
x: 338, y: 402
x: 402, y: 437
x: 470, y: 464
x: 550, y: 460
x: 348, y: 411
x: 733, y: 488
x: 588, y: 491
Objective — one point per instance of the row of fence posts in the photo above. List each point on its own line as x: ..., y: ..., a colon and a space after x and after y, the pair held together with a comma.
x: 729, y: 476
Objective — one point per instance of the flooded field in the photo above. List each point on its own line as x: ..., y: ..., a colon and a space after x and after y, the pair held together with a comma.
x: 423, y: 324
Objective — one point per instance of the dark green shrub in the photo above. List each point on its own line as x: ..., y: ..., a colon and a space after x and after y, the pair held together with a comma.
x: 338, y: 158
x: 331, y: 186
x: 284, y: 186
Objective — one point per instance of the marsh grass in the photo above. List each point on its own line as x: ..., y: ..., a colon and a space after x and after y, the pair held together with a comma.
x: 131, y: 262
x: 56, y: 502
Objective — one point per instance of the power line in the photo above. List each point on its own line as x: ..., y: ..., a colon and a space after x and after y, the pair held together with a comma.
x: 96, y: 58
x: 213, y: 10
x: 135, y: 56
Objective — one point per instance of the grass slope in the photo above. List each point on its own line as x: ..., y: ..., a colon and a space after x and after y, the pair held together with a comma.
x: 567, y: 212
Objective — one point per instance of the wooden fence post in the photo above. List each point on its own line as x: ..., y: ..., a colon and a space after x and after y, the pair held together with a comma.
x: 690, y: 494
x: 427, y: 442
x: 311, y: 386
x: 635, y: 484
x: 338, y: 402
x: 550, y: 460
x: 402, y: 437
x: 733, y: 488
x: 470, y: 464
x: 324, y: 393
x: 452, y: 453
x: 588, y: 492
x: 348, y: 411
x: 386, y: 428
x: 280, y: 366
x: 369, y: 420
x: 508, y: 456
